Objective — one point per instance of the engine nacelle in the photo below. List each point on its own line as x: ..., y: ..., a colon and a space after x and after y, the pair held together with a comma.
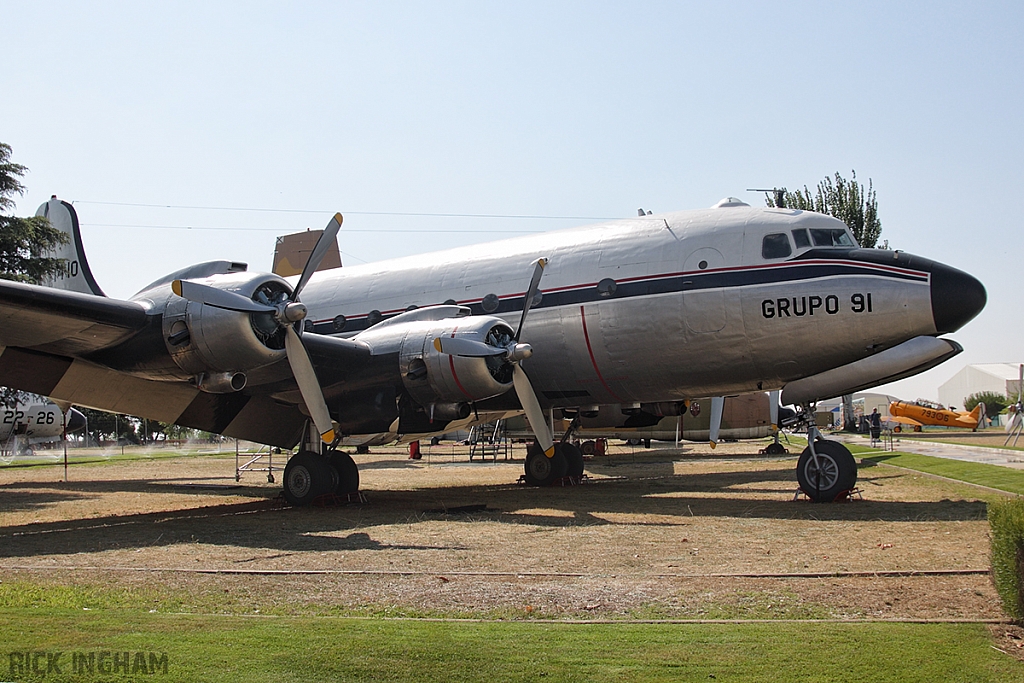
x: 434, y: 378
x: 206, y: 340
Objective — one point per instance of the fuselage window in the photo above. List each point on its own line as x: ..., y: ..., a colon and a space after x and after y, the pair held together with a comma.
x: 490, y: 303
x: 831, y: 237
x: 776, y: 246
x: 801, y: 238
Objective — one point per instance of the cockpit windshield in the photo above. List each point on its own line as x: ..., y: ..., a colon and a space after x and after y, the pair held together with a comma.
x: 831, y: 237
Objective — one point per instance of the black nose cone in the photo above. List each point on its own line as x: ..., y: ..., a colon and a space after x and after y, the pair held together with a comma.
x: 76, y: 421
x: 956, y: 297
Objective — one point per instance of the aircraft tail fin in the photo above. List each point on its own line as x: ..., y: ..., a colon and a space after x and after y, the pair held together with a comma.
x: 77, y: 276
x: 292, y: 252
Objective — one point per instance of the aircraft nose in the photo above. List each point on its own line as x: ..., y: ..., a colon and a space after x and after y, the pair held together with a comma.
x: 956, y: 297
x: 76, y: 421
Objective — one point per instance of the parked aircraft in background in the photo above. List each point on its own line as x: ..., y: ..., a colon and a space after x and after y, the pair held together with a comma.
x: 644, y: 313
x: 922, y: 413
x: 26, y: 424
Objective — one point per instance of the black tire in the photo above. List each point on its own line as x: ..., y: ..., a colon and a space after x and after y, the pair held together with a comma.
x: 573, y: 459
x: 542, y: 470
x: 647, y: 443
x: 588, y: 448
x: 307, y: 476
x: 775, y: 448
x: 347, y: 473
x: 838, y: 471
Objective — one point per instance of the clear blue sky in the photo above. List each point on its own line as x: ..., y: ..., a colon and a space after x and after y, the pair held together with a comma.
x: 555, y: 109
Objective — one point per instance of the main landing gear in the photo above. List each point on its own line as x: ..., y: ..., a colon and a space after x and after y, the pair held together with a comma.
x: 826, y: 470
x: 544, y: 471
x: 567, y: 462
x: 310, y: 475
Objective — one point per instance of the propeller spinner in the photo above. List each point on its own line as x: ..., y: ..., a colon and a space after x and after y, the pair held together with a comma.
x: 286, y: 314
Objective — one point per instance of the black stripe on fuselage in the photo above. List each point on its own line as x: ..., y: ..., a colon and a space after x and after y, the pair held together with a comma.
x: 650, y: 285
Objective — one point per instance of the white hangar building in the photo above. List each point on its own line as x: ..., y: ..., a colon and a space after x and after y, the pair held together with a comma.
x: 1001, y: 378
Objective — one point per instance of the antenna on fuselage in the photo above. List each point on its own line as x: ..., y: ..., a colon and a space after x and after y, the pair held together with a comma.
x: 778, y: 192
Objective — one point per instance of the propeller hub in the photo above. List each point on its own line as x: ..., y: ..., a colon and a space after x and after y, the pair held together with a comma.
x: 293, y: 312
x: 518, y: 352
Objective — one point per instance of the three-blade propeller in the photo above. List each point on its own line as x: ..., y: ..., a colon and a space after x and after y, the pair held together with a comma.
x: 513, y: 353
x: 287, y: 314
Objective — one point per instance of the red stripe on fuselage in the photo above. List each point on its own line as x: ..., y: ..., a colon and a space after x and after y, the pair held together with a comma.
x: 455, y: 375
x: 593, y: 361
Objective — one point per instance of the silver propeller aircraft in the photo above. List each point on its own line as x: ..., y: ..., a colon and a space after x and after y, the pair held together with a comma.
x: 643, y: 313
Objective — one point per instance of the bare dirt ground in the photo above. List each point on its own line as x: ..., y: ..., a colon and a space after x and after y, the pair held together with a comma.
x: 674, y: 534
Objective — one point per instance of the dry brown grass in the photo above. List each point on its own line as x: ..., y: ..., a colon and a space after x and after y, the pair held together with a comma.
x: 649, y: 535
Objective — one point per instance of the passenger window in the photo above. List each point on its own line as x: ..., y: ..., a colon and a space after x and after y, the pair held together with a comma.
x: 801, y: 239
x: 831, y: 237
x: 775, y: 246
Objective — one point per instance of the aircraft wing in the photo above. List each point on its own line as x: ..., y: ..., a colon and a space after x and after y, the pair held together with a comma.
x: 64, y: 323
x: 74, y: 347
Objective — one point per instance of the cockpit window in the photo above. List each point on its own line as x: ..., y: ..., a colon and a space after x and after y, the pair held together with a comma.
x: 801, y: 238
x: 831, y: 237
x: 775, y: 246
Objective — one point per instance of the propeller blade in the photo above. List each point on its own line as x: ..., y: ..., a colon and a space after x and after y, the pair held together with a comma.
x: 717, y: 405
x: 317, y: 255
x: 773, y: 407
x: 453, y: 346
x: 309, y: 385
x: 531, y: 292
x: 219, y: 298
x: 534, y: 413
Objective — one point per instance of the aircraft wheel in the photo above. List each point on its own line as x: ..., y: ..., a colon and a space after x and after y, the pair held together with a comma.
x: 838, y: 471
x: 897, y: 429
x: 774, y: 448
x: 542, y: 470
x: 917, y: 428
x: 573, y: 459
x: 347, y: 473
x: 588, y: 448
x: 307, y: 476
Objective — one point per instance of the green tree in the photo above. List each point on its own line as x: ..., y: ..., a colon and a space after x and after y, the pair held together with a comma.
x: 23, y: 239
x: 994, y: 403
x: 115, y: 426
x: 844, y: 199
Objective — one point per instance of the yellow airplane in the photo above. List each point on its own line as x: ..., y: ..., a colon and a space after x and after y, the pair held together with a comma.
x: 924, y: 413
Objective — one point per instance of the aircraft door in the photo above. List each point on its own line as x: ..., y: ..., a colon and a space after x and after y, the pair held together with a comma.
x: 703, y: 302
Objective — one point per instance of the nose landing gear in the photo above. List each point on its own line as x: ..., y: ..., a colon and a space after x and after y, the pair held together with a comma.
x: 826, y: 470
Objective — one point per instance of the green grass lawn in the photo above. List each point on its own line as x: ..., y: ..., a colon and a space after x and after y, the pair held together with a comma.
x: 234, y: 648
x: 993, y: 476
